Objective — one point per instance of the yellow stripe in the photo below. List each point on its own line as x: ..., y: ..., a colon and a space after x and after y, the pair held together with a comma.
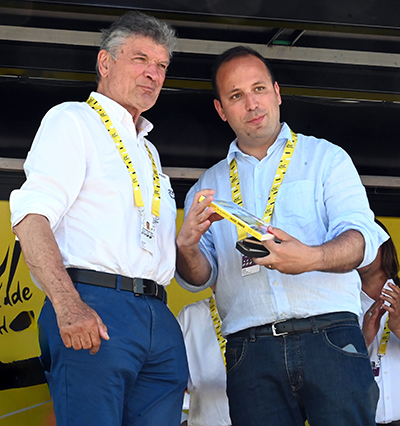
x: 384, y: 339
x: 155, y: 209
x: 279, y: 175
x: 217, y: 326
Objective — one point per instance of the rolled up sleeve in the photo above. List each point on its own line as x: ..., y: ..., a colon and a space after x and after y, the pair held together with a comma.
x: 55, y: 170
x: 347, y: 205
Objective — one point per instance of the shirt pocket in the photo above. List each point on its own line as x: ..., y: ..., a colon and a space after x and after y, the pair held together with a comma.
x: 296, y: 208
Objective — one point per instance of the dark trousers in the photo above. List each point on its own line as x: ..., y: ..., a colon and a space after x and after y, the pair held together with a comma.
x: 137, y: 378
x: 323, y: 376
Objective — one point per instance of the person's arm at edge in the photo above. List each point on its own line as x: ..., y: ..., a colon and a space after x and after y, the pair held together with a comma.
x: 80, y: 326
x: 192, y: 265
x: 341, y: 254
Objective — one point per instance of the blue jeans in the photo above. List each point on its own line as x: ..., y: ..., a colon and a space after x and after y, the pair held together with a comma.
x: 138, y: 377
x: 284, y: 380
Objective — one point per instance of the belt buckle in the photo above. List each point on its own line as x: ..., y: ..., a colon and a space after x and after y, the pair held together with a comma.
x: 274, y: 332
x: 137, y: 286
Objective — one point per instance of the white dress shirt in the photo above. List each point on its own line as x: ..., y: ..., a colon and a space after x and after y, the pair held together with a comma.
x: 77, y: 179
x: 389, y: 373
x: 321, y: 197
x: 207, y: 376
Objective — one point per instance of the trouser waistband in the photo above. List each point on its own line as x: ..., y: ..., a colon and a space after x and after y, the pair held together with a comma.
x: 296, y: 325
x: 138, y: 286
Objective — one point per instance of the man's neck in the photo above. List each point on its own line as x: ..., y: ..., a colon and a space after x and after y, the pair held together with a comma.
x: 101, y: 88
x: 257, y: 147
x: 259, y: 152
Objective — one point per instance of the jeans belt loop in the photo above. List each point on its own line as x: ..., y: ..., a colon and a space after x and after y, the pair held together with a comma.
x: 314, y: 327
x: 273, y: 327
x: 118, y: 283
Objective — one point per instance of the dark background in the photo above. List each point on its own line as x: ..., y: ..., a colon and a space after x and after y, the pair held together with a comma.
x: 355, y: 106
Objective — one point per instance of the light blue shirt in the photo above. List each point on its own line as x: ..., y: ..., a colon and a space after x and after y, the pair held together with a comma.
x: 321, y: 197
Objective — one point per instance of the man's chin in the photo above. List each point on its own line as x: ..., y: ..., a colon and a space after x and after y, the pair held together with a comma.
x: 147, y: 102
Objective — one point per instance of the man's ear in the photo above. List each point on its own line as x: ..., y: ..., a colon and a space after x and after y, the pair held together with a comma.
x: 278, y: 93
x: 219, y: 109
x: 102, y: 61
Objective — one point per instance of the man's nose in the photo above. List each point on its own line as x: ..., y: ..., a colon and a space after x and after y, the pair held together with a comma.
x: 251, y: 102
x: 152, y: 71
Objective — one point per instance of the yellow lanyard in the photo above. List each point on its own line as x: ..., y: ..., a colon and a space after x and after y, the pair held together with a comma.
x: 217, y: 327
x: 279, y: 175
x: 155, y: 209
x: 384, y: 339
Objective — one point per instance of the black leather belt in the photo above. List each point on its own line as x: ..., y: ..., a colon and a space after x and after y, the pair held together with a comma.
x: 137, y: 286
x: 294, y: 325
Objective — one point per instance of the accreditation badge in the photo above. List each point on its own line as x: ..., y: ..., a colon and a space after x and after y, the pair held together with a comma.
x: 148, y: 233
x: 249, y: 267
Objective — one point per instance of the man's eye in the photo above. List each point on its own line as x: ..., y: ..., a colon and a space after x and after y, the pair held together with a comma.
x: 259, y: 88
x: 236, y: 96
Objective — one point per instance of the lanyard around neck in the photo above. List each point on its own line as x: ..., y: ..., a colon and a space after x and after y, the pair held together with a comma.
x: 217, y: 326
x: 384, y: 339
x: 155, y: 209
x: 279, y: 175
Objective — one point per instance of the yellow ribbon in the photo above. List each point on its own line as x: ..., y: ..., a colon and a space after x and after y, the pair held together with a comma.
x: 279, y: 175
x: 155, y: 209
x: 217, y: 326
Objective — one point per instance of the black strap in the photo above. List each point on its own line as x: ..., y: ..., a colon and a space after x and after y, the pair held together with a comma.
x: 138, y: 286
x: 299, y: 325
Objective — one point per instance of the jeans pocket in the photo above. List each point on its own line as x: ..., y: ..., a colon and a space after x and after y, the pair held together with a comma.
x: 347, y: 339
x: 235, y: 353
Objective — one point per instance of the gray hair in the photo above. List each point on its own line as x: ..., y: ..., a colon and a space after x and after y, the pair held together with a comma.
x: 139, y: 25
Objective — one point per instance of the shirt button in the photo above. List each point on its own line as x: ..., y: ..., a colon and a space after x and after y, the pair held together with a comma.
x: 388, y: 397
x: 260, y: 196
x: 275, y: 283
x: 385, y: 372
x: 283, y: 314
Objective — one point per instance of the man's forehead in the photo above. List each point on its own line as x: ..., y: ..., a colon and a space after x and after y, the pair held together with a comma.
x: 249, y: 68
x: 144, y: 45
x: 234, y: 82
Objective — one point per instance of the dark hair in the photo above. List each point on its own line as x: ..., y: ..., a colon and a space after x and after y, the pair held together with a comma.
x: 140, y: 25
x: 236, y: 52
x: 389, y: 262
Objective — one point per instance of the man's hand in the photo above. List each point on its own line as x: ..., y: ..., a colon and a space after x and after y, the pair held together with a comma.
x: 80, y: 326
x: 191, y: 263
x: 198, y: 220
x: 342, y: 254
x: 289, y: 256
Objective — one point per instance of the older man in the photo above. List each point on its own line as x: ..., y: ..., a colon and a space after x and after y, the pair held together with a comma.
x: 96, y: 222
x: 295, y: 350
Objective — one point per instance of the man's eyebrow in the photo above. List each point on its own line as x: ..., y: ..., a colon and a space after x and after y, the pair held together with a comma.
x: 238, y: 89
x: 263, y: 82
x: 140, y: 53
x: 235, y: 90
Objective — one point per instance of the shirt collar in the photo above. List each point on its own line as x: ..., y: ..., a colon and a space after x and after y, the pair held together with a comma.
x: 117, y: 112
x: 283, y: 136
